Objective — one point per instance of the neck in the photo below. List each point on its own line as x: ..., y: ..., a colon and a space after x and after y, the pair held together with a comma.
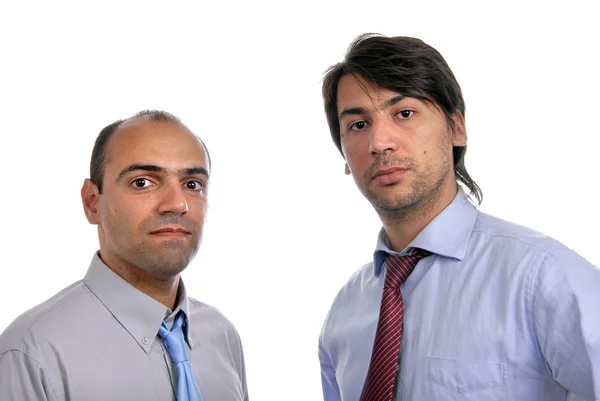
x: 161, y: 289
x: 402, y: 228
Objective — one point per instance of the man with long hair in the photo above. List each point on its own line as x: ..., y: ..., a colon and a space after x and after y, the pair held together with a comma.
x: 456, y: 304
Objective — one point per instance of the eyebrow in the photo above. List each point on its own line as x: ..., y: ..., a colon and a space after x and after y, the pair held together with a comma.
x: 361, y: 110
x: 158, y: 169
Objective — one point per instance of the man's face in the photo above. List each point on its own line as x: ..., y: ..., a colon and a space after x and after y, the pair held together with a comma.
x: 398, y: 149
x: 151, y: 212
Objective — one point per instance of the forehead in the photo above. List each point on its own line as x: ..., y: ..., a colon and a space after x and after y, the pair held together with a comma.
x: 167, y: 144
x: 362, y: 96
x: 353, y: 89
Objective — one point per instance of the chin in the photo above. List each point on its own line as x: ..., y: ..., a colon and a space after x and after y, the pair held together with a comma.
x: 166, y: 271
x: 396, y: 198
x: 168, y: 264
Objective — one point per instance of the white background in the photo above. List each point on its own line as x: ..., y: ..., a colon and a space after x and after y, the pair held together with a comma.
x: 286, y: 228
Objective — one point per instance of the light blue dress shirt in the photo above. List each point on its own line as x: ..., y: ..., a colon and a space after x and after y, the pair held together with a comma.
x: 499, y: 312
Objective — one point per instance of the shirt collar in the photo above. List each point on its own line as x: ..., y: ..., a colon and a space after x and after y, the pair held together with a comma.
x: 446, y: 235
x: 183, y: 306
x: 138, y: 313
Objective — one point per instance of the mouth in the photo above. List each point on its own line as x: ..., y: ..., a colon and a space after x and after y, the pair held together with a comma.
x: 170, y: 232
x: 390, y: 175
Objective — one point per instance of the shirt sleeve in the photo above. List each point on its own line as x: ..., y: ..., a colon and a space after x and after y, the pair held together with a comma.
x: 243, y: 373
x: 23, y: 378
x: 238, y: 350
x: 566, y: 311
x: 331, y: 391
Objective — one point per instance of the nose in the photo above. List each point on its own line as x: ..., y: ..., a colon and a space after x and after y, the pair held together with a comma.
x: 383, y: 137
x: 173, y: 199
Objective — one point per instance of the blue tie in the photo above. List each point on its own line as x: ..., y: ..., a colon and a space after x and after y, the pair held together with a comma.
x: 187, y: 389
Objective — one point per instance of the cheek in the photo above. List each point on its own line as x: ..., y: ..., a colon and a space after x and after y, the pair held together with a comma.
x: 198, y: 210
x: 436, y: 145
x: 119, y: 218
x: 197, y: 207
x: 353, y: 163
x: 202, y: 210
x: 356, y: 155
x: 445, y: 147
x: 354, y: 146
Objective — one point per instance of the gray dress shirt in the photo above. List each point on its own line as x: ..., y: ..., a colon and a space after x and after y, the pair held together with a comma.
x: 97, y: 340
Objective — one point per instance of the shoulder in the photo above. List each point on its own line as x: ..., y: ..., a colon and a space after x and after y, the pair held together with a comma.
x: 207, y: 312
x: 209, y: 319
x: 506, y: 233
x: 356, y: 286
x: 41, y: 321
x: 527, y: 247
x: 356, y: 282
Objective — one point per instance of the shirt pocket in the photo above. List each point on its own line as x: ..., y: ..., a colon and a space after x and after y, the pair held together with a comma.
x: 467, y: 377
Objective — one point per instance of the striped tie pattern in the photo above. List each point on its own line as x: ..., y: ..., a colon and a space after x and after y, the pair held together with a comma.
x: 379, y: 384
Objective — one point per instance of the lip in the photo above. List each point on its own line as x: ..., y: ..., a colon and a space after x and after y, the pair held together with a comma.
x: 170, y: 231
x: 389, y: 175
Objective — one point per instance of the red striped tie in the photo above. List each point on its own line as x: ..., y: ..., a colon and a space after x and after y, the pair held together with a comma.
x: 379, y: 384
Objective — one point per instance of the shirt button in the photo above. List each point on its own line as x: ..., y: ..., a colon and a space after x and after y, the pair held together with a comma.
x: 145, y: 341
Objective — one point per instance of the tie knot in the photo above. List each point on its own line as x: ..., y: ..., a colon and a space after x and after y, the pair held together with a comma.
x: 398, y: 268
x: 173, y: 339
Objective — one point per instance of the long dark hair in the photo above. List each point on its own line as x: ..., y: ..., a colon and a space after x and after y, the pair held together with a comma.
x: 407, y: 66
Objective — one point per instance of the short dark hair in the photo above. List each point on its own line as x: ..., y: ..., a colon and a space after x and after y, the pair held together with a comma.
x: 407, y: 66
x: 99, y: 154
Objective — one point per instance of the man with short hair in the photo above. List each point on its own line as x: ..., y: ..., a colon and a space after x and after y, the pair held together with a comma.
x: 456, y: 304
x: 129, y: 330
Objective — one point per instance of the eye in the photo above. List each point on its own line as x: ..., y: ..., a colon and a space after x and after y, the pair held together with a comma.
x: 405, y: 113
x: 358, y: 126
x: 194, y: 185
x: 141, y: 183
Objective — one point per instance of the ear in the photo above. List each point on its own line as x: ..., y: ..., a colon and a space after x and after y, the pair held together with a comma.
x: 459, y: 134
x: 346, y: 169
x: 90, y: 197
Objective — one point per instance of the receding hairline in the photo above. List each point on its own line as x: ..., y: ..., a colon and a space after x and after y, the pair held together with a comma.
x: 148, y: 118
x: 141, y: 119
